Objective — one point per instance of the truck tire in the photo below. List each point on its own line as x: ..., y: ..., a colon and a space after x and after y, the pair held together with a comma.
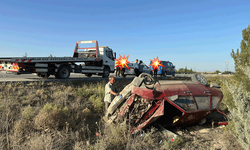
x: 105, y: 73
x: 148, y: 80
x: 63, y: 72
x: 88, y: 75
x: 199, y: 78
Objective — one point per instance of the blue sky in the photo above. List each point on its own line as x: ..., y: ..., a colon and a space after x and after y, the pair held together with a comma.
x: 197, y: 34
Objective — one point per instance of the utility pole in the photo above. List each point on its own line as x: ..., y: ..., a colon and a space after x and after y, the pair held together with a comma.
x: 227, y: 63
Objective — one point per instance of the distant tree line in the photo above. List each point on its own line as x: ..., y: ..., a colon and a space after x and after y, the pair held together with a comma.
x: 186, y: 70
x: 225, y: 72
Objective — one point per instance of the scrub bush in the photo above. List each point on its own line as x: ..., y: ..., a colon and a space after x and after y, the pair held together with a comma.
x: 240, y: 114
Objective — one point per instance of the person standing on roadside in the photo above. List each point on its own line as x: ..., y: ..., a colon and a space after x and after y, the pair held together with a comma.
x: 110, y: 92
x: 123, y: 71
x: 155, y: 72
x: 118, y: 71
x: 136, y: 68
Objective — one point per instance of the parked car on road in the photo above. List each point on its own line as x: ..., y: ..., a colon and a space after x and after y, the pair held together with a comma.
x: 143, y: 68
x: 169, y: 69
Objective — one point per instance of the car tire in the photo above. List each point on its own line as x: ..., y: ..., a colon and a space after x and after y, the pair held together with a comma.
x: 148, y: 80
x: 63, y: 72
x: 199, y: 78
x: 105, y: 73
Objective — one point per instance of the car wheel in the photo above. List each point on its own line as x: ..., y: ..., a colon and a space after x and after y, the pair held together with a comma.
x: 199, y: 78
x: 63, y: 72
x: 88, y: 75
x: 106, y: 73
x: 148, y: 80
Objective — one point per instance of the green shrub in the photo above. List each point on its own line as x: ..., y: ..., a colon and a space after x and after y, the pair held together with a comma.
x: 169, y: 144
x: 240, y: 114
x: 97, y: 102
x: 28, y: 113
x: 49, y: 107
x: 51, y: 116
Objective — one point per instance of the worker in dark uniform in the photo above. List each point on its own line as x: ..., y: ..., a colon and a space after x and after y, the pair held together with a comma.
x: 123, y: 71
x: 117, y: 71
x: 155, y: 72
x: 136, y: 68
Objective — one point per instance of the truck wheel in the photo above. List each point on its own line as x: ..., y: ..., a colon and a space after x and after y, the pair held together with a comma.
x: 106, y: 73
x: 148, y: 80
x: 88, y: 75
x: 199, y: 78
x: 63, y: 72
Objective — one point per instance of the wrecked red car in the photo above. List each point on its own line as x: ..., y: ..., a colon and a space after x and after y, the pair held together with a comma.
x: 170, y: 103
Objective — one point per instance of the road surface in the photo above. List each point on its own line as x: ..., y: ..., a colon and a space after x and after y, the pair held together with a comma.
x: 5, y: 77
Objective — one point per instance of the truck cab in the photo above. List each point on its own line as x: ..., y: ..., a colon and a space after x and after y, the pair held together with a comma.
x: 104, y: 58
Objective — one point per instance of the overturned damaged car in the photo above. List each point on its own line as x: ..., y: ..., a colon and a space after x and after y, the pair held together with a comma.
x: 169, y: 103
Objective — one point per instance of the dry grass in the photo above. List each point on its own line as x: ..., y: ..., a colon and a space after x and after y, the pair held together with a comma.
x: 48, y: 116
x: 58, y: 116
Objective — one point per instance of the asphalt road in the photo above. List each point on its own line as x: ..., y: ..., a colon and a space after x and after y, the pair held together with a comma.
x: 6, y: 77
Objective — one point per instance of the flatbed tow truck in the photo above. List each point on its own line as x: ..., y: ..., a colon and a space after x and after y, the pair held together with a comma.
x: 91, y: 60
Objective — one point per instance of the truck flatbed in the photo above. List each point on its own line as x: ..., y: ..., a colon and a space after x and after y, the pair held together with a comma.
x: 47, y: 59
x: 85, y: 60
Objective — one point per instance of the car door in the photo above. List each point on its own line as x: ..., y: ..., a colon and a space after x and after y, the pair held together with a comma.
x: 171, y: 67
x: 145, y: 68
x: 131, y: 71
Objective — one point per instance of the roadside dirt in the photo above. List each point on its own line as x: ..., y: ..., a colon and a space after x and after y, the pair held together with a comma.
x: 207, y: 137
